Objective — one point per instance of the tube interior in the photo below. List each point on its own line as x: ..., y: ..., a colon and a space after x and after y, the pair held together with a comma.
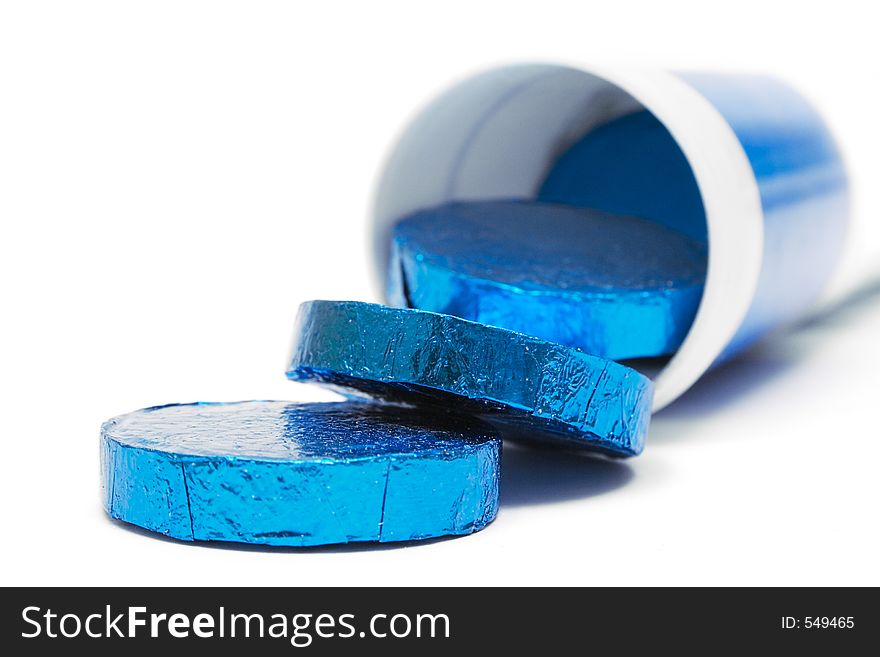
x: 507, y: 133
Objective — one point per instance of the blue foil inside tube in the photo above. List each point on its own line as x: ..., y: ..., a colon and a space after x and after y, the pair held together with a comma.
x: 539, y: 391
x: 630, y: 165
x: 616, y: 286
x: 280, y: 473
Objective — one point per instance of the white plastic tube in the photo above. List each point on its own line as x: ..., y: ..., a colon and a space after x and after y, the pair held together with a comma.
x: 772, y: 182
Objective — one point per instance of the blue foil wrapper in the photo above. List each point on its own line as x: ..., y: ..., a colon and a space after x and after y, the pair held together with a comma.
x: 630, y: 165
x: 280, y: 473
x: 538, y: 390
x: 616, y: 286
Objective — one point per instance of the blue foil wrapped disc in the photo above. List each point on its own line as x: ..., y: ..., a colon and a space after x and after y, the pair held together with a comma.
x: 281, y: 473
x: 615, y: 286
x: 535, y: 389
x: 630, y: 165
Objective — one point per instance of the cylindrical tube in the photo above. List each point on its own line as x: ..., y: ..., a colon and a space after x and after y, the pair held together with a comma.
x: 772, y: 182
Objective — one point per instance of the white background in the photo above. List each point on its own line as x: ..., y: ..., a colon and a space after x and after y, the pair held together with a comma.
x: 175, y: 177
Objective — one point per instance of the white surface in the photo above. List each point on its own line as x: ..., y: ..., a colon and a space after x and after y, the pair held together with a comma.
x: 176, y: 177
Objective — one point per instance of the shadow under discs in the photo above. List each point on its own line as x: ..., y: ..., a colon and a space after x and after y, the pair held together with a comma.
x: 536, y: 475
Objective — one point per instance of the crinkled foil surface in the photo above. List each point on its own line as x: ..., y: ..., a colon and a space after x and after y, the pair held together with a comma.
x: 537, y: 390
x: 616, y: 286
x: 281, y: 473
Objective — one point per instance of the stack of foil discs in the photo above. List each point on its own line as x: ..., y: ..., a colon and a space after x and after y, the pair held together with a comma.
x: 509, y: 319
